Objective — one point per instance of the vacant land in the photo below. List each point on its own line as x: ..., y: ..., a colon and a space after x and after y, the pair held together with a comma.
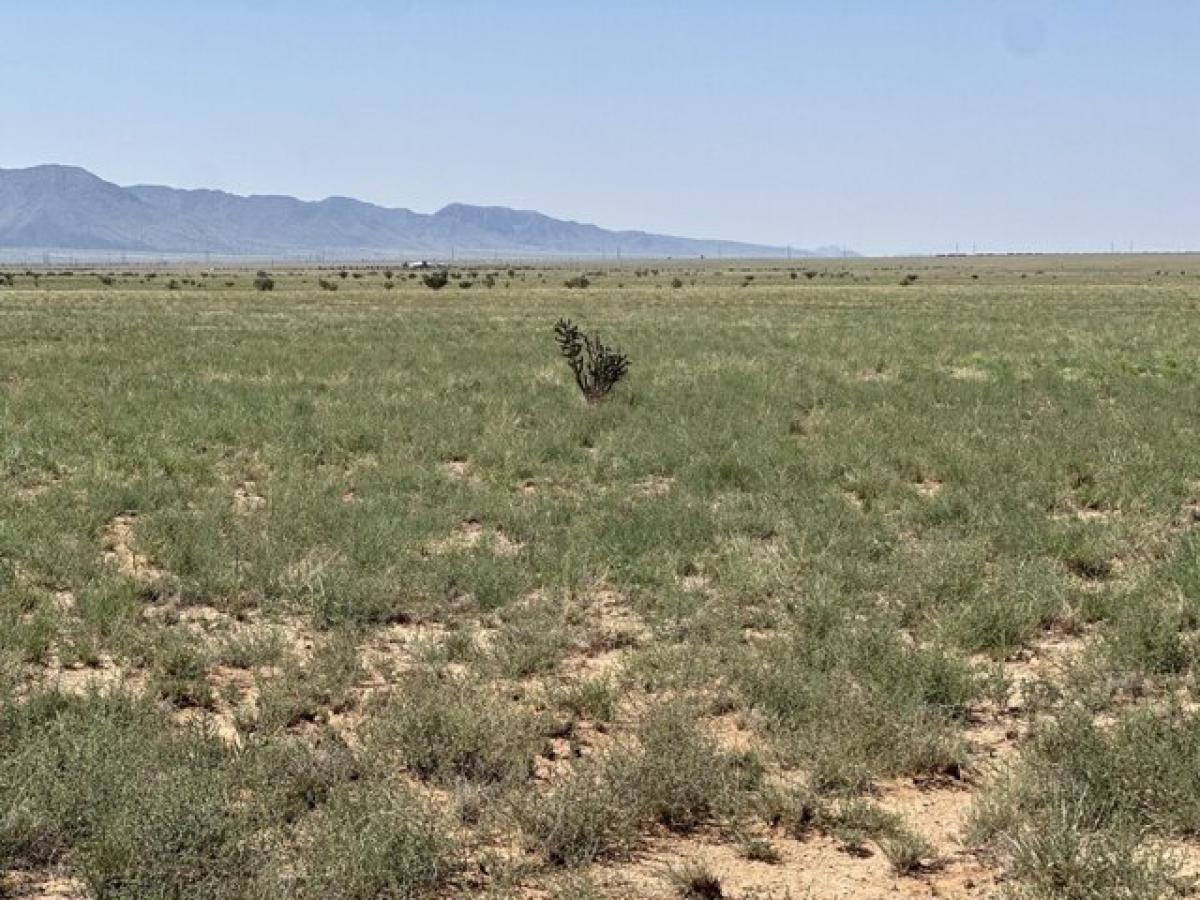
x: 873, y: 578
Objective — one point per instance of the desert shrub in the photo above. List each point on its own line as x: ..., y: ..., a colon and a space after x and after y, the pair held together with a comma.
x: 594, y: 698
x: 326, y: 285
x: 695, y: 881
x: 289, y: 777
x: 374, y: 839
x: 444, y: 728
x: 676, y: 283
x: 307, y: 692
x: 851, y: 703
x: 137, y: 808
x: 530, y: 641
x: 586, y: 817
x: 908, y: 279
x: 578, y: 282
x: 680, y: 776
x: 106, y: 280
x: 597, y: 368
x: 435, y: 281
x: 1072, y: 815
x: 180, y: 671
x: 263, y: 281
x: 672, y: 775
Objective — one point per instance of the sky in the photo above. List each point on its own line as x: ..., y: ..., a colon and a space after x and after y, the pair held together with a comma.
x: 887, y: 127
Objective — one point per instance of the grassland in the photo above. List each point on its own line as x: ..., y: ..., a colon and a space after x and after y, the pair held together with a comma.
x: 855, y: 587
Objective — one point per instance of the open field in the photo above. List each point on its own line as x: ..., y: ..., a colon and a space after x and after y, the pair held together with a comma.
x: 852, y: 589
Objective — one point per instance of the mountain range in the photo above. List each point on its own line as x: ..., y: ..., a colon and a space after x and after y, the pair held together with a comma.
x: 55, y: 207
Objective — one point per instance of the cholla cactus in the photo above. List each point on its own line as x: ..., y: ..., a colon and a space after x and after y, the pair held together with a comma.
x: 596, y: 368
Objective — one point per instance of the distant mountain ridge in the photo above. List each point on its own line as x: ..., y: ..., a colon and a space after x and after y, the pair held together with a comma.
x: 69, y: 208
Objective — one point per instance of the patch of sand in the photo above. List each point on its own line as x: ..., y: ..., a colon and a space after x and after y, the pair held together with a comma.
x: 119, y: 550
x: 247, y: 499
x: 815, y: 868
x: 472, y: 534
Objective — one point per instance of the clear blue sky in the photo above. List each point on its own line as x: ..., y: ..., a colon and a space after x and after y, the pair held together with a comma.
x: 885, y: 126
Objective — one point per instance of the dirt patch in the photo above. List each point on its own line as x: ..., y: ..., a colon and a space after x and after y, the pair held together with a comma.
x: 31, y: 492
x: 610, y: 628
x: 655, y: 486
x: 103, y: 676
x: 472, y: 534
x: 853, y: 500
x: 459, y: 469
x: 42, y: 886
x: 928, y: 488
x: 968, y: 373
x: 247, y: 499
x: 1085, y: 512
x: 397, y: 648
x: 875, y: 375
x: 1189, y: 510
x: 119, y: 550
x: 817, y: 867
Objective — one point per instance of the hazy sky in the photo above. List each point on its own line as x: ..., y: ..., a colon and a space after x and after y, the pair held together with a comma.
x: 886, y: 126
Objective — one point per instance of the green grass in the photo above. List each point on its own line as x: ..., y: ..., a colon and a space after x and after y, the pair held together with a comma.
x: 834, y: 506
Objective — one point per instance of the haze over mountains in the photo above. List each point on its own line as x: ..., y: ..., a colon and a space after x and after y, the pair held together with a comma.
x: 55, y: 207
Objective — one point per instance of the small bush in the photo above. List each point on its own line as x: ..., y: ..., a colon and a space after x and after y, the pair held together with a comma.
x: 435, y: 281
x: 597, y: 368
x: 263, y: 281
x: 374, y: 840
x: 446, y: 728
x: 673, y: 776
x: 695, y: 881
x: 578, y: 282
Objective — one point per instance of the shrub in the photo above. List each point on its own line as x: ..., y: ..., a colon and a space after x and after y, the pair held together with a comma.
x: 579, y: 281
x: 374, y: 840
x: 139, y: 808
x: 327, y: 285
x: 676, y: 283
x: 1079, y: 814
x: 263, y: 281
x: 597, y: 368
x: 435, y: 281
x: 674, y: 776
x: 446, y: 728
x: 695, y: 881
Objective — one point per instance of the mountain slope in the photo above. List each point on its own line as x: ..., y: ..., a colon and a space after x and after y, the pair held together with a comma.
x: 66, y: 207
